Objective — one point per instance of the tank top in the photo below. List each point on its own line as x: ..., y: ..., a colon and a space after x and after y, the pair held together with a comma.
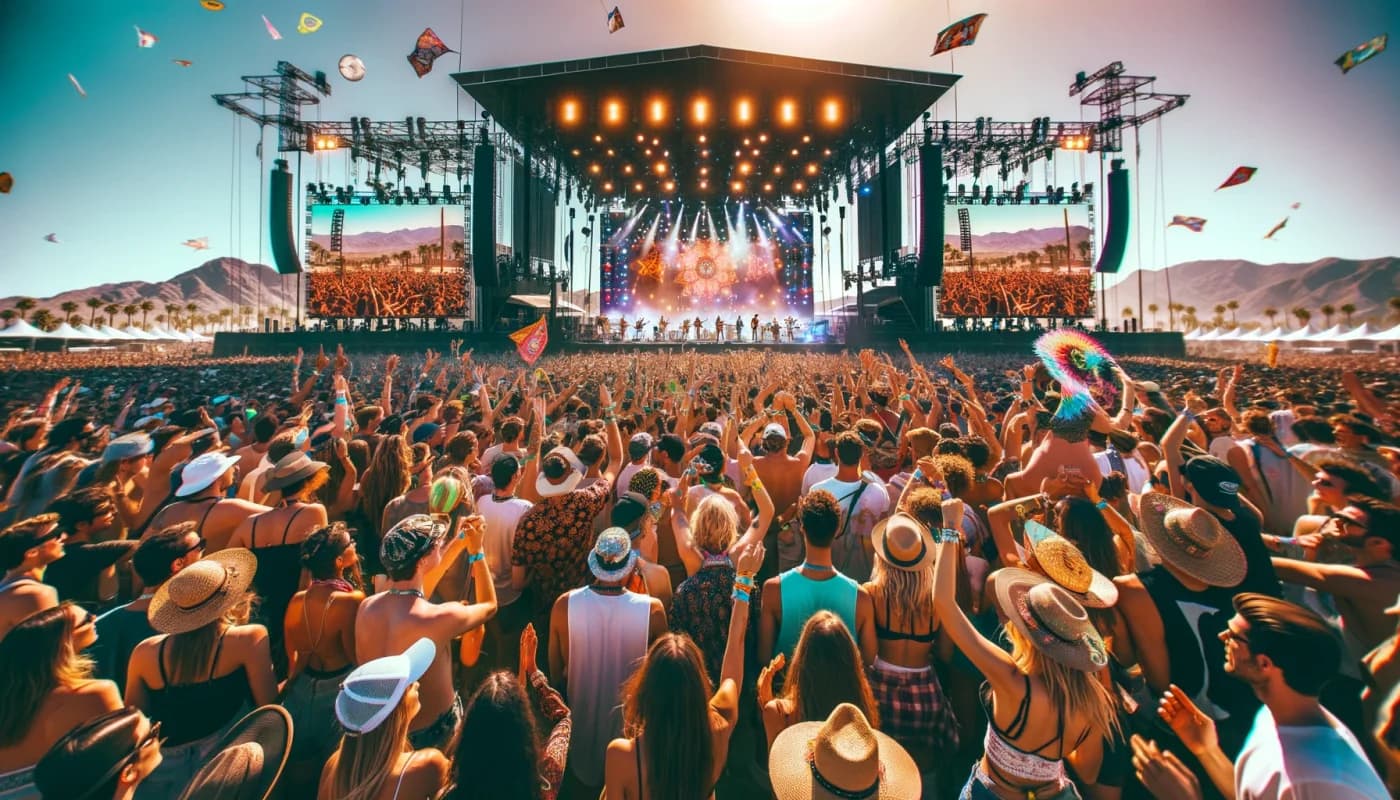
x: 189, y: 712
x: 607, y: 638
x: 801, y: 597
x: 277, y: 579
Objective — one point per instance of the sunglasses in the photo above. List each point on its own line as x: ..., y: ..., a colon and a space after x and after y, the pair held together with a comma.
x: 1345, y: 521
x: 56, y: 533
x: 199, y: 545
x: 1230, y: 636
x: 88, y: 618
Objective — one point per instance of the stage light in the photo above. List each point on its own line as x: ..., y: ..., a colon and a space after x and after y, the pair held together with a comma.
x: 812, y: 169
x: 787, y: 112
x: 611, y: 152
x: 745, y: 168
x: 704, y: 184
x: 701, y: 111
x: 658, y: 111
x: 705, y: 153
x: 670, y: 186
x: 576, y: 152
x: 1075, y: 143
x: 704, y: 170
x: 799, y: 186
x: 763, y: 137
x: 660, y: 168
x: 737, y: 186
x: 777, y: 169
x: 826, y: 152
x: 665, y: 153
x: 638, y: 186
x: 607, y: 186
x: 743, y: 111
x: 755, y: 152
x: 627, y: 169
x: 702, y: 138
x: 595, y: 168
x: 569, y: 112
x: 767, y: 187
x: 612, y: 112
x: 598, y: 137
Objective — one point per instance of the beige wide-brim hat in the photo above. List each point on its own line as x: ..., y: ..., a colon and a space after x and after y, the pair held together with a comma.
x: 248, y: 761
x: 1064, y: 563
x: 292, y: 468
x: 1050, y: 618
x: 839, y: 758
x: 201, y: 592
x: 902, y: 542
x: 1191, y: 540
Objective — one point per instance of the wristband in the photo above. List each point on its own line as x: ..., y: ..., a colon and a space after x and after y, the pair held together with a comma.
x: 341, y: 401
x: 744, y: 580
x: 919, y: 476
x: 1101, y: 505
x: 475, y: 557
x: 740, y: 596
x: 949, y: 536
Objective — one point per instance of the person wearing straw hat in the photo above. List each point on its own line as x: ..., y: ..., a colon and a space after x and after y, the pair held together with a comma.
x: 203, y: 497
x: 1058, y: 559
x: 105, y: 758
x: 248, y: 762
x: 1169, y: 616
x: 597, y: 634
x: 1044, y: 703
x: 841, y: 758
x: 206, y: 670
x: 376, y: 759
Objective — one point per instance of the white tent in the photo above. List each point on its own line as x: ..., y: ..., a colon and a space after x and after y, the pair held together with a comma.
x: 136, y: 333
x: 66, y: 331
x: 1360, y: 333
x: 20, y: 329
x: 92, y: 333
x: 113, y: 333
x: 1392, y: 335
x: 1332, y: 334
x: 1192, y: 335
x: 1210, y: 335
x: 1300, y: 335
x: 171, y: 333
x: 1262, y: 335
x: 1233, y: 335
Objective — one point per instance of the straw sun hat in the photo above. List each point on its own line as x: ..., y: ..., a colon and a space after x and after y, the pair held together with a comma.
x: 1050, y: 618
x: 248, y: 760
x: 1063, y: 563
x: 201, y: 592
x: 1192, y: 540
x: 841, y: 757
x: 903, y: 542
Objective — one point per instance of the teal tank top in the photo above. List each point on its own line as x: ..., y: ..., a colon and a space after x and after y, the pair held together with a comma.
x: 803, y: 597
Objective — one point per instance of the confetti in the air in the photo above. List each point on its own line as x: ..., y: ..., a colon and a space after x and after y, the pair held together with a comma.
x: 212, y: 5
x: 202, y: 243
x: 182, y: 62
x: 308, y: 24
x: 1276, y: 228
x: 271, y: 31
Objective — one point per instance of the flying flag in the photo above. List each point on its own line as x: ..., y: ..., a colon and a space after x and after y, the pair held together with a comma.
x: 1240, y: 175
x: 202, y: 243
x: 271, y: 31
x: 531, y: 340
x: 212, y: 5
x: 144, y: 38
x: 7, y: 182
x: 1363, y: 52
x: 1276, y: 228
x: 182, y: 62
x: 52, y: 237
x: 615, y: 22
x: 308, y: 24
x: 1193, y: 224
x: 427, y: 50
x: 959, y: 34
x: 1296, y: 206
x: 76, y: 85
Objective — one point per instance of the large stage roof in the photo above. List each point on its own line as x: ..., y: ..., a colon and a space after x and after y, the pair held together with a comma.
x: 705, y: 121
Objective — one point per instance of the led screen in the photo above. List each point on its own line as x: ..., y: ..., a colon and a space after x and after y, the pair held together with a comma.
x: 1017, y: 261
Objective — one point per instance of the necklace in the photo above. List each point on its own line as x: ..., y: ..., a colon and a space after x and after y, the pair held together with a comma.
x: 818, y: 567
x: 406, y: 592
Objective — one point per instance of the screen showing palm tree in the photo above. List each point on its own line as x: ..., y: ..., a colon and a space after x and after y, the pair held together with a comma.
x: 387, y: 261
x: 1018, y: 261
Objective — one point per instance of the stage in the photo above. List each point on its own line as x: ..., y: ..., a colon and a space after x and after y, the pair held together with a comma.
x: 938, y: 342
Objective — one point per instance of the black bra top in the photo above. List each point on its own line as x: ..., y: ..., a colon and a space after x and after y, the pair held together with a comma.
x: 889, y: 634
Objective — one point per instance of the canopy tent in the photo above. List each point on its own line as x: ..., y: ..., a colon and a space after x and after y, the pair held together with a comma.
x: 1261, y: 335
x: 1210, y: 336
x: 20, y: 329
x: 1392, y: 335
x: 1232, y: 335
x: 1300, y: 335
x: 1332, y: 334
x: 1360, y: 333
x: 113, y: 333
x: 66, y: 331
x: 171, y: 333
x: 92, y: 333
x: 136, y: 333
x: 1193, y: 335
x: 540, y: 302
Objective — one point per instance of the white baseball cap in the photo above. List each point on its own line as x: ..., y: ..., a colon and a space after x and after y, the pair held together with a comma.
x: 201, y: 472
x: 774, y: 429
x: 371, y: 693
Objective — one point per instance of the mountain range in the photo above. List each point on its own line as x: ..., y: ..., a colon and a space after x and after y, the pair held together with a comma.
x: 374, y: 242
x: 1019, y: 241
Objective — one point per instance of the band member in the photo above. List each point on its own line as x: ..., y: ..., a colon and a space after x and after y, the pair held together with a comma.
x: 739, y: 327
x: 753, y: 323
x: 719, y: 329
x: 662, y: 326
x: 622, y: 326
x: 791, y: 328
x: 640, y: 327
x: 685, y: 329
x: 699, y: 328
x: 607, y: 326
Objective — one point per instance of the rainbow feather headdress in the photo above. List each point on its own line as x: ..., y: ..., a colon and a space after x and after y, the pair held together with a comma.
x: 1086, y: 372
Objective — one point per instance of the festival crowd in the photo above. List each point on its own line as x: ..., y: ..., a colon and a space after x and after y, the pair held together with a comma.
x: 669, y: 575
x: 366, y: 292
x: 992, y: 292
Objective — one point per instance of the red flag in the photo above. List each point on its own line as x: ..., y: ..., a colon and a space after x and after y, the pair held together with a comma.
x: 1240, y: 175
x: 959, y: 34
x: 531, y: 340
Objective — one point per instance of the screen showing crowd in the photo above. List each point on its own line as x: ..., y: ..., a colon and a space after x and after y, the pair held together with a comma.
x: 1018, y: 261
x: 388, y: 261
x: 679, y: 260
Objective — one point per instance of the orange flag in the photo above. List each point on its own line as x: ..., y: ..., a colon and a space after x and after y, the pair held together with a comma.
x: 531, y: 340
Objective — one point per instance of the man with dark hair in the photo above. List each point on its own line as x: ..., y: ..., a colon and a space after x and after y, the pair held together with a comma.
x: 502, y: 512
x: 27, y: 548
x: 30, y: 497
x: 87, y: 573
x: 367, y: 419
x: 264, y: 427
x: 251, y: 485
x: 158, y: 557
x: 791, y: 598
x: 510, y: 438
x: 1296, y: 748
x: 1357, y: 439
x: 389, y: 622
x: 1336, y: 479
x: 863, y: 501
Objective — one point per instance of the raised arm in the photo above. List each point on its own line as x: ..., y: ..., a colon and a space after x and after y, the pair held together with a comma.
x: 731, y: 673
x: 986, y: 656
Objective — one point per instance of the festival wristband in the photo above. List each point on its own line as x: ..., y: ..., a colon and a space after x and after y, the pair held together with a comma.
x: 475, y: 557
x: 1101, y: 505
x: 740, y: 596
x: 745, y: 581
x: 949, y: 536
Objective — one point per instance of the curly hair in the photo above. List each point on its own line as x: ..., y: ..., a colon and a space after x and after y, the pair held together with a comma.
x: 957, y: 471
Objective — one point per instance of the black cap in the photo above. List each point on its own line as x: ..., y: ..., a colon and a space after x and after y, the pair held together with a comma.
x: 1213, y: 481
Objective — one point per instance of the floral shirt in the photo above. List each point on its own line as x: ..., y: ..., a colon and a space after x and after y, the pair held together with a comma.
x: 701, y: 608
x: 553, y: 538
x: 556, y: 750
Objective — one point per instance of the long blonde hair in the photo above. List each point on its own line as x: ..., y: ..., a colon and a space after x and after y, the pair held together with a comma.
x: 713, y: 524
x: 1067, y: 688
x: 37, y: 656
x: 908, y: 595
x: 192, y: 653
x: 365, y: 760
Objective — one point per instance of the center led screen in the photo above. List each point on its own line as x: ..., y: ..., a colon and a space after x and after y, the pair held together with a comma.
x: 1017, y: 261
x: 677, y: 260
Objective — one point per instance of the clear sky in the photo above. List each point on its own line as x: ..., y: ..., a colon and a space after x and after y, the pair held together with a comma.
x: 147, y: 160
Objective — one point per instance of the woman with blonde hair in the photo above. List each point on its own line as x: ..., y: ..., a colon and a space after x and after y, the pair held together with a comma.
x: 47, y: 689
x: 826, y: 672
x: 389, y: 475
x: 375, y: 760
x: 1044, y: 703
x: 206, y: 670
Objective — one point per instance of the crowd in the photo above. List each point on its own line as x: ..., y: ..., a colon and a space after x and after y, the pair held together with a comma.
x: 1017, y: 293
x: 672, y: 575
x: 368, y: 292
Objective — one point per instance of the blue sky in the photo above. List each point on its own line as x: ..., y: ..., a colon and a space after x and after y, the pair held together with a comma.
x: 148, y: 160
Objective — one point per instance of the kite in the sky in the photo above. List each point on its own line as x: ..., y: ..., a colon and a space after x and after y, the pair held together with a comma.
x: 1361, y: 53
x: 959, y: 34
x: 271, y: 31
x: 202, y: 243
x: 76, y: 85
x: 615, y: 22
x: 1296, y: 206
x: 7, y: 182
x: 427, y: 50
x: 144, y: 38
x: 182, y: 62
x: 1240, y: 175
x: 308, y: 24
x: 52, y: 237
x: 1193, y: 224
x: 351, y: 67
x: 212, y: 5
x: 1276, y: 228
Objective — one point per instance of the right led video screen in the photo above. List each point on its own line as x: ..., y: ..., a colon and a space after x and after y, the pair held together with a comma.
x: 1017, y: 261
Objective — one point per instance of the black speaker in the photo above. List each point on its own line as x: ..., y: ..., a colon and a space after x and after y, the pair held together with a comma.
x: 931, y: 215
x: 279, y: 220
x: 1115, y: 237
x: 484, y: 216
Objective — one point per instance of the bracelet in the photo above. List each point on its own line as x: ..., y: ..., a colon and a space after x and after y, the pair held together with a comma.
x: 475, y: 557
x: 745, y: 578
x: 918, y: 476
x: 949, y: 536
x: 608, y: 420
x: 739, y: 596
x: 1101, y: 505
x: 341, y: 401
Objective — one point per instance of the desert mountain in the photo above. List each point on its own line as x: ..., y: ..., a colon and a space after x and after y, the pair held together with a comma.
x: 1018, y: 241
x: 392, y: 241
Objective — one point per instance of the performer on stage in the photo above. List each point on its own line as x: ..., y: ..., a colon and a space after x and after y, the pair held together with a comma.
x: 753, y: 323
x: 622, y: 326
x: 791, y: 328
x: 662, y: 325
x: 719, y: 329
x: 739, y: 327
x: 685, y: 329
x: 607, y: 327
x: 640, y: 327
x: 699, y: 328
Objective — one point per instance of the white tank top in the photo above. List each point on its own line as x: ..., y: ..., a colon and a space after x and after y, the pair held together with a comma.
x: 607, y: 640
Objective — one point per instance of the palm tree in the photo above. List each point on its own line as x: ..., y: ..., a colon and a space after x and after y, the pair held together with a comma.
x: 1152, y: 309
x: 1271, y: 312
x: 1219, y: 310
x: 160, y: 319
x: 8, y: 315
x: 1032, y: 258
x: 224, y: 316
x: 130, y: 310
x: 111, y: 310
x: 1172, y: 310
x: 193, y: 310
x: 1328, y: 310
x: 1348, y: 309
x: 244, y: 312
x: 1233, y: 305
x: 172, y: 311
x: 1050, y: 255
x: 1083, y: 246
x: 1303, y: 315
x: 146, y: 307
x: 69, y: 308
x: 93, y: 303
x: 42, y: 318
x: 1127, y: 312
x: 24, y: 305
